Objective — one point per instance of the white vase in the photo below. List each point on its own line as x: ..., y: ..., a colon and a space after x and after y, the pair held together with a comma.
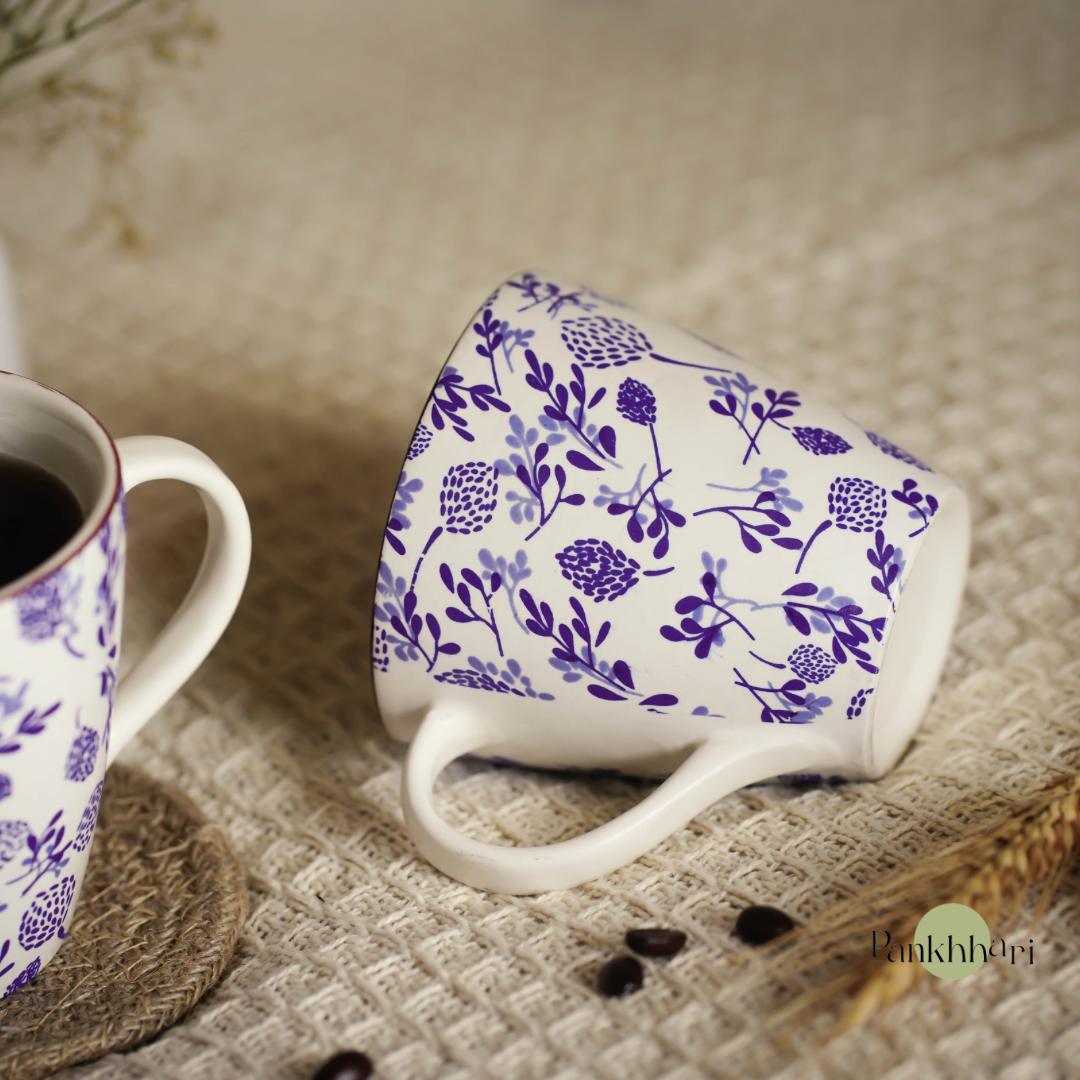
x: 11, y: 353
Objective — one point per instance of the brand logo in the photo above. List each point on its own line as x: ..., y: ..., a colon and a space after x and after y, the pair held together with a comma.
x: 951, y: 941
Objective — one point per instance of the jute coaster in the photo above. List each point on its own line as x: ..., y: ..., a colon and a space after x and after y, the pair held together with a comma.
x: 159, y: 917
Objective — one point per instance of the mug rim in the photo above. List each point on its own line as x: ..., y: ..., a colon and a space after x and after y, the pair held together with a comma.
x: 103, y: 503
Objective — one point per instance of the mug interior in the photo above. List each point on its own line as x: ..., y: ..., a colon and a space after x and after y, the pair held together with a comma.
x: 918, y: 641
x: 43, y: 426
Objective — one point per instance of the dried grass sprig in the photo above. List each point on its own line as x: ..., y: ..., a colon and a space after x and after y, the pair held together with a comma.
x: 992, y: 871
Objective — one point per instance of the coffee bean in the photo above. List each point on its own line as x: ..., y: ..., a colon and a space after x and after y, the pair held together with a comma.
x: 760, y: 924
x: 620, y: 977
x: 655, y: 941
x: 349, y: 1065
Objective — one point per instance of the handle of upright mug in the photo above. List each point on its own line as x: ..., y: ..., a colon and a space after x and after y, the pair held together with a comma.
x: 720, y: 764
x: 209, y: 605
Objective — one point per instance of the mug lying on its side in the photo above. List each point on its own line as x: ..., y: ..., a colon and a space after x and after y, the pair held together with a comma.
x: 617, y: 546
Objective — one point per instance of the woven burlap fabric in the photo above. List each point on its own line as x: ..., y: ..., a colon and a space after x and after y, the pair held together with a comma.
x: 877, y: 200
x: 158, y: 918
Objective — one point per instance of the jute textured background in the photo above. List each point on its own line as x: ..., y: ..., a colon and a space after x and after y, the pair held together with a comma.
x: 878, y: 200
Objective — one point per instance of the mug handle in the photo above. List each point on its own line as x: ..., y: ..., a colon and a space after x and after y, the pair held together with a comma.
x: 209, y: 605
x: 718, y: 765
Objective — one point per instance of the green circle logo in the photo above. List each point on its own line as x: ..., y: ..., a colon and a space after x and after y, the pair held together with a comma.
x: 954, y: 940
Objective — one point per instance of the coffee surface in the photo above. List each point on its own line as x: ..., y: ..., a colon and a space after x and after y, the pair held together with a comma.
x: 38, y: 515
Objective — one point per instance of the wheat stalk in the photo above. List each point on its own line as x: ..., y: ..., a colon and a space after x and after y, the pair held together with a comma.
x: 992, y: 871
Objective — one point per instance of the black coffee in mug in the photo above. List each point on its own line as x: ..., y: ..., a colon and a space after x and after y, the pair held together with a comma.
x: 38, y: 516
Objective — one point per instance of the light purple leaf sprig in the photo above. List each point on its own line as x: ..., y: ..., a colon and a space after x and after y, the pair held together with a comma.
x: 776, y: 710
x: 4, y: 950
x: 573, y: 414
x: 813, y: 707
x: 848, y: 628
x: 398, y: 610
x: 533, y: 472
x: 734, y: 398
x: 536, y: 293
x: 706, y: 616
x: 881, y: 557
x: 463, y: 591
x: 512, y: 339
x: 921, y: 507
x: 574, y: 654
x: 17, y: 721
x: 769, y: 480
x: 511, y: 573
x: 522, y: 440
x: 48, y: 854
x: 451, y: 397
x: 399, y: 520
x: 775, y: 520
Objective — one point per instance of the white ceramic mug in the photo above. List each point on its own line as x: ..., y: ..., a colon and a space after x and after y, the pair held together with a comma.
x: 615, y: 546
x: 63, y: 713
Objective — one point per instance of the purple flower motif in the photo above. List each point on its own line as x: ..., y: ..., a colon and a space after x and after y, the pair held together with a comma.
x: 474, y: 680
x: 857, y: 505
x: 636, y: 402
x: 819, y: 441
x: 468, y: 497
x: 88, y: 819
x: 602, y: 341
x: 598, y: 569
x: 46, y: 609
x: 811, y: 664
x: 24, y: 976
x: 41, y: 608
x: 858, y: 703
x: 46, y: 914
x: 5, y: 785
x: 420, y: 441
x: 897, y: 452
x: 13, y: 835
x: 82, y: 757
x: 380, y: 650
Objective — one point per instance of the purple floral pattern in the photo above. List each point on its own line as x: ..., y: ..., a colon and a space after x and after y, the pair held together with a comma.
x: 580, y: 469
x: 855, y: 505
x: 47, y: 610
x: 421, y: 440
x: 82, y: 757
x: 24, y: 976
x: 88, y: 821
x: 45, y: 916
x: 65, y: 633
x: 636, y: 403
x: 811, y: 663
x: 490, y: 677
x: 597, y: 569
x: 858, y: 703
x: 734, y: 398
x: 897, y: 452
x: 820, y: 442
x: 603, y: 341
x: 13, y: 836
x: 469, y: 496
x: 399, y: 520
